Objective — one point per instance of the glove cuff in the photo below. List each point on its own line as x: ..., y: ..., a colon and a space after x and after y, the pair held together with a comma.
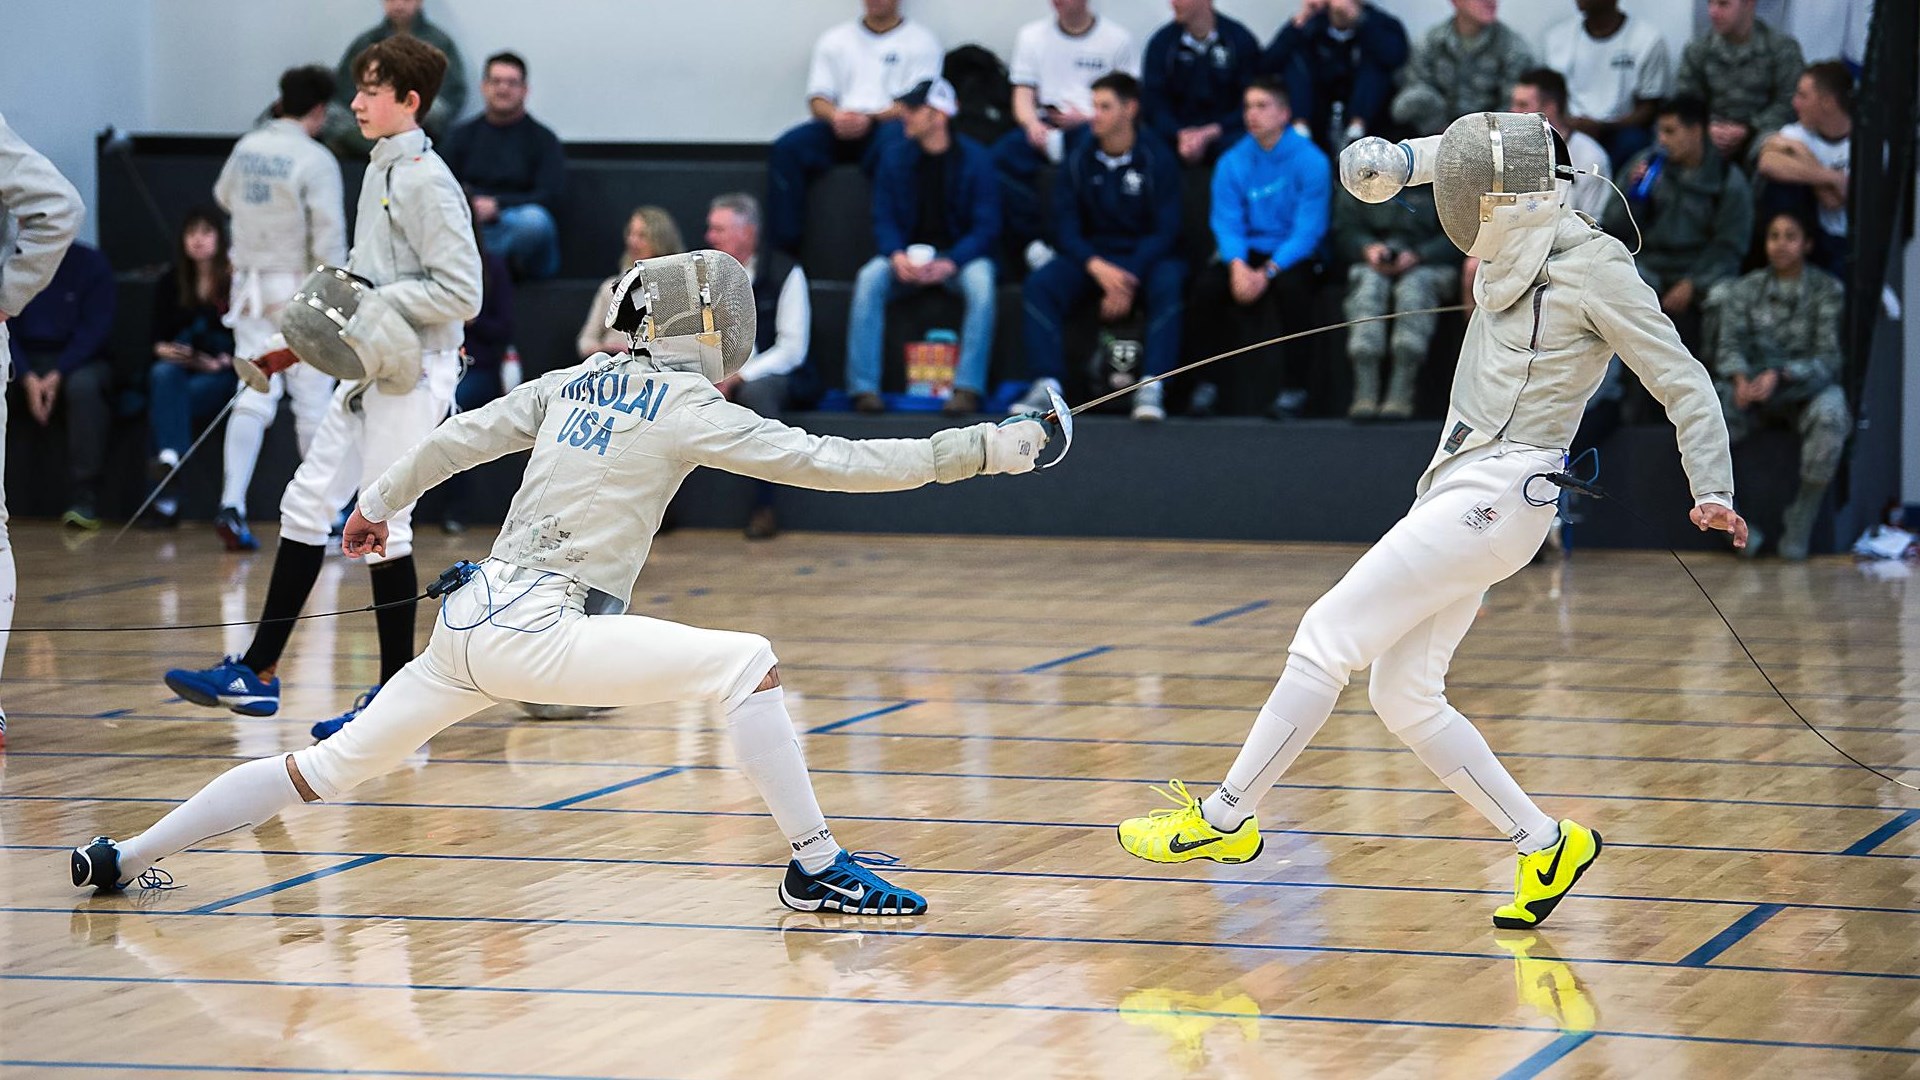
x: 959, y: 453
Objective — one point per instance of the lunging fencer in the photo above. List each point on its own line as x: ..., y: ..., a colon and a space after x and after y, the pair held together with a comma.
x: 611, y: 438
x: 389, y: 326
x: 1556, y: 298
x: 284, y: 193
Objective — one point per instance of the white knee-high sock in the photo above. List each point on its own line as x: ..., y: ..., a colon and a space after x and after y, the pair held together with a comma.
x: 240, y: 798
x: 246, y: 433
x: 9, y: 582
x: 769, y: 753
x: 1453, y: 748
x: 1293, y: 715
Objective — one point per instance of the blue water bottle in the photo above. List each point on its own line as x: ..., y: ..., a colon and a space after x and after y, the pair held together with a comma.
x: 1643, y: 190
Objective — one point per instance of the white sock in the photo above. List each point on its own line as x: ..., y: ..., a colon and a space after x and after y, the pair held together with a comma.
x: 246, y: 433
x: 769, y: 753
x: 1453, y: 748
x: 9, y: 582
x: 240, y: 798
x: 1293, y: 715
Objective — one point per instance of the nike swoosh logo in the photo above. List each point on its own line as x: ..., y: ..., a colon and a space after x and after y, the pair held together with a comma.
x: 1546, y: 876
x: 855, y: 895
x: 1177, y: 846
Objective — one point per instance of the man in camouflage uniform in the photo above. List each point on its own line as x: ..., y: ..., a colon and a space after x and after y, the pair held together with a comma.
x: 1745, y: 71
x: 1466, y: 64
x: 1777, y: 362
x: 1399, y: 261
x: 1694, y: 221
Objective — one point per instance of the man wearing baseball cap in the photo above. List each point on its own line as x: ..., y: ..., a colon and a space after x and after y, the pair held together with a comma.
x: 936, y: 219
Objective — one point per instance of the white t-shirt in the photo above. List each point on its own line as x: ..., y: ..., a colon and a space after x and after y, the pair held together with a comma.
x: 1604, y: 77
x: 1590, y: 193
x: 1834, y: 154
x: 1061, y: 68
x: 861, y: 71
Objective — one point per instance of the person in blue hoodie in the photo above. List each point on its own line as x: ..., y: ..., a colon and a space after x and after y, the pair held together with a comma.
x: 936, y: 218
x: 1195, y: 70
x: 1270, y: 205
x: 1116, y: 215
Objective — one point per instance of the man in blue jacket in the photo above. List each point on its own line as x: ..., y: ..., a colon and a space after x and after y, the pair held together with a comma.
x: 59, y: 351
x: 1195, y: 69
x: 936, y: 217
x: 1270, y: 205
x: 1338, y: 60
x: 1116, y: 215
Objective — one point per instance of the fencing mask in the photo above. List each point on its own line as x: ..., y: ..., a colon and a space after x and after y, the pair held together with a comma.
x: 696, y: 306
x: 1495, y: 174
x: 337, y: 323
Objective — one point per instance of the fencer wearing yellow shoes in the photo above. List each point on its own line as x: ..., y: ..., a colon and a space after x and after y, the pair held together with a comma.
x: 611, y: 441
x: 1556, y: 299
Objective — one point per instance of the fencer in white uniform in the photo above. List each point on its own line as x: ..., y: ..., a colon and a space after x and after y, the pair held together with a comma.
x: 1556, y: 299
x: 611, y: 441
x: 284, y: 193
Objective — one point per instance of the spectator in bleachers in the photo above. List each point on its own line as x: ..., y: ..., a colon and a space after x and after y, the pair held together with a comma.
x: 651, y: 233
x: 489, y: 337
x: 1269, y: 214
x: 1617, y: 70
x: 1745, y: 71
x: 858, y: 69
x: 1338, y: 60
x: 59, y: 351
x: 1466, y: 64
x: 934, y: 193
x: 1055, y: 64
x: 1695, y: 213
x: 1399, y: 259
x: 1825, y: 29
x: 1543, y: 91
x: 784, y: 313
x: 192, y: 375
x: 342, y: 133
x: 1778, y: 363
x: 513, y: 171
x: 1192, y: 78
x: 1804, y: 166
x: 1116, y: 214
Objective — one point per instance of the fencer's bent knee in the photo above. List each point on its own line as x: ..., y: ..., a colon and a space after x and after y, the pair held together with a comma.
x: 1409, y: 713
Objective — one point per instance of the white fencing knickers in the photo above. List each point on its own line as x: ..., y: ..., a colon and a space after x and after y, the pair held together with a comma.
x: 536, y: 645
x: 366, y: 430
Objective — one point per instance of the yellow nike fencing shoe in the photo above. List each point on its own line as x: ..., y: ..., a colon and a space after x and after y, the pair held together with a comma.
x: 1545, y: 876
x: 1182, y: 834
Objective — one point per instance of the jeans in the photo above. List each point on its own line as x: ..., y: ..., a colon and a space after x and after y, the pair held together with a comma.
x: 1053, y: 290
x: 867, y: 323
x: 803, y: 153
x: 178, y: 399
x: 529, y: 239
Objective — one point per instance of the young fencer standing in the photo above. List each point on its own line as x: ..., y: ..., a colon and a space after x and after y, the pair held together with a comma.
x: 611, y: 441
x: 1556, y: 299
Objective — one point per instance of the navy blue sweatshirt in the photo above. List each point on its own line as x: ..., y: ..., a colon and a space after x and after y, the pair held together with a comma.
x: 72, y: 316
x: 519, y: 163
x: 973, y: 198
x: 1129, y: 215
x: 1182, y: 87
x: 1320, y: 67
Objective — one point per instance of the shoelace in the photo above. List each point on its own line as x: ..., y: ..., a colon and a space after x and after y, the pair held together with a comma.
x: 1176, y: 793
x: 154, y: 878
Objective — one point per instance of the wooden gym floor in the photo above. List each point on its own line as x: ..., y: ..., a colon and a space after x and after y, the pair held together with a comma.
x: 596, y: 898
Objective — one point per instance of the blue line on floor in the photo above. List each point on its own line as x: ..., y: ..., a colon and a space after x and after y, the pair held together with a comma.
x: 1547, y: 1056
x: 292, y: 882
x: 1731, y: 936
x: 1099, y: 1011
x: 838, y: 724
x: 104, y: 590
x: 138, y: 1067
x: 562, y: 804
x: 1049, y: 665
x: 1866, y: 844
x: 1231, y: 613
x: 111, y: 714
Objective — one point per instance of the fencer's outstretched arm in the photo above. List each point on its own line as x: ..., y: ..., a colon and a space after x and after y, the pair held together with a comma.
x: 48, y: 212
x: 496, y: 429
x: 721, y: 435
x: 1622, y: 308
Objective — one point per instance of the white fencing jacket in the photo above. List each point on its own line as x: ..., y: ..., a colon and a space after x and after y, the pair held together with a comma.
x: 39, y: 213
x: 413, y: 238
x: 612, y: 439
x: 284, y: 192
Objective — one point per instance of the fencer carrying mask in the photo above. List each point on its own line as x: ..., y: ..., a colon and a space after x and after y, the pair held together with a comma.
x: 1500, y: 185
x: 339, y: 323
x: 695, y: 306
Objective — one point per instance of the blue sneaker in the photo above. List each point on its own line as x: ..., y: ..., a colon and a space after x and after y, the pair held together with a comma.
x: 327, y: 729
x: 231, y: 684
x: 234, y: 534
x: 849, y: 887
